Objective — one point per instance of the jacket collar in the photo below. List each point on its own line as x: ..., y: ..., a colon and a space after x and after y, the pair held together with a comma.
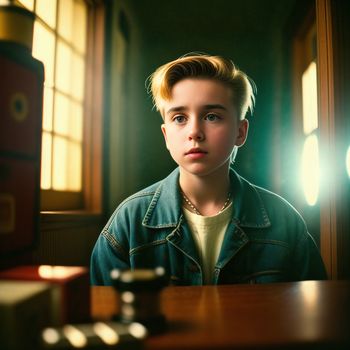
x: 249, y: 209
x: 165, y: 207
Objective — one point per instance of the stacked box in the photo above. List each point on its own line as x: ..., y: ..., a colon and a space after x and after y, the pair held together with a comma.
x: 25, y: 309
x: 70, y: 292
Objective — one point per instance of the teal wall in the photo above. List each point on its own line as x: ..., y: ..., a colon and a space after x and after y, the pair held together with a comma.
x: 144, y: 35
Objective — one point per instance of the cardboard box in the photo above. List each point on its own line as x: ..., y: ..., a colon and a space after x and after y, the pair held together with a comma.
x: 25, y: 309
x: 70, y: 289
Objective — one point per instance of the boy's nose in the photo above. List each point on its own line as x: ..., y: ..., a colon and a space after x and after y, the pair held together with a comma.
x: 196, y: 132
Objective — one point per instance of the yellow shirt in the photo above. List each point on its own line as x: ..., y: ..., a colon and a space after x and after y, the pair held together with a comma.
x: 208, y: 233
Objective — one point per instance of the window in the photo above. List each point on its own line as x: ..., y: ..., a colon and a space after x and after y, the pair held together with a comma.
x: 310, y: 166
x: 306, y: 121
x: 61, y: 41
x: 307, y: 110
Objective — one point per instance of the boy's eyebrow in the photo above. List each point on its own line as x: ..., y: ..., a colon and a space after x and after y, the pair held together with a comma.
x: 205, y: 107
x: 215, y: 106
x: 176, y: 109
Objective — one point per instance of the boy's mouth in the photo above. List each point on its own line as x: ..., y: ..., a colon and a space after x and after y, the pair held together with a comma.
x: 195, y: 150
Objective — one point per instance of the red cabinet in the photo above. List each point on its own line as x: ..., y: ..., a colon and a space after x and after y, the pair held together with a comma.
x: 21, y: 96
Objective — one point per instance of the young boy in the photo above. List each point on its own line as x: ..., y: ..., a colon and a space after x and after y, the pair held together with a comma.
x: 205, y: 224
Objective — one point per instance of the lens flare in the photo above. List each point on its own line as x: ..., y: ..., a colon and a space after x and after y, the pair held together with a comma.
x: 310, y: 170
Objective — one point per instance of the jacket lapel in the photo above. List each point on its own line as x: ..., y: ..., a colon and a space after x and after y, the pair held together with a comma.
x: 248, y: 211
x: 181, y: 238
x: 235, y: 239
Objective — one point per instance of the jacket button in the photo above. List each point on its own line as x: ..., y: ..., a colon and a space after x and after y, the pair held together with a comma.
x: 193, y: 268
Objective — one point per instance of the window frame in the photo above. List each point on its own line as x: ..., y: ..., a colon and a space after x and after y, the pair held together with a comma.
x: 90, y: 198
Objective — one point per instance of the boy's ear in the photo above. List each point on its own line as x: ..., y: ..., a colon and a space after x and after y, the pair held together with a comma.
x: 163, y: 128
x: 243, y: 126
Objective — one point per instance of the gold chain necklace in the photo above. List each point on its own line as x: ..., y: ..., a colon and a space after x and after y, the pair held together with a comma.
x: 196, y: 211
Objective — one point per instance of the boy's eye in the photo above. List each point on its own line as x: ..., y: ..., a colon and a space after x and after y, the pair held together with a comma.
x: 179, y: 119
x: 211, y: 117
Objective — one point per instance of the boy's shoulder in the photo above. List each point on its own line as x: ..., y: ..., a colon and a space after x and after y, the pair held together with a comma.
x: 134, y: 205
x: 144, y: 197
x: 274, y: 199
x: 266, y: 201
x: 160, y: 199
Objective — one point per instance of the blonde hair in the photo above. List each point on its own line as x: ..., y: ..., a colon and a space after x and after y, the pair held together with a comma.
x: 203, y: 66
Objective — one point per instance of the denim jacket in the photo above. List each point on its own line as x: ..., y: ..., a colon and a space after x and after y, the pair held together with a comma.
x: 266, y: 239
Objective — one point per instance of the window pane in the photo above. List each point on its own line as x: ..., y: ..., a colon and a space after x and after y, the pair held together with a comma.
x: 76, y: 122
x: 60, y: 171
x: 44, y: 50
x: 62, y: 114
x: 48, y: 109
x: 65, y: 19
x: 78, y: 77
x: 309, y: 88
x: 63, y: 67
x: 79, y: 23
x: 29, y: 4
x: 46, y: 10
x: 75, y: 166
x: 46, y: 160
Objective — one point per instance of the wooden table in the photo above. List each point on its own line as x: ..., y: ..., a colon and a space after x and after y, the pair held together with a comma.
x: 283, y: 316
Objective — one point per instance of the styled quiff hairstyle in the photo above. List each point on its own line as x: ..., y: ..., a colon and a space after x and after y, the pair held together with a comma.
x: 203, y: 66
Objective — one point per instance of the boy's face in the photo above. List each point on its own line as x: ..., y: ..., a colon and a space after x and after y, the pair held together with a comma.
x: 201, y: 126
